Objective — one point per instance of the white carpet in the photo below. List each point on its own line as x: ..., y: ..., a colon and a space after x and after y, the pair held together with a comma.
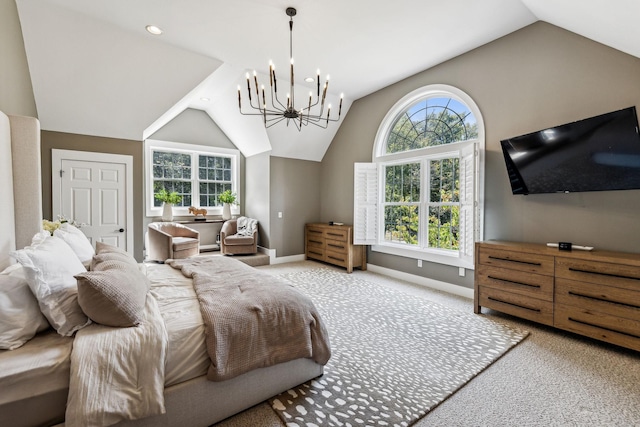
x: 394, y: 357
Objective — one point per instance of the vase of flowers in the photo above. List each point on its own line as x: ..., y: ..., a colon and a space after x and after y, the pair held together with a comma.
x: 168, y: 200
x: 227, y: 198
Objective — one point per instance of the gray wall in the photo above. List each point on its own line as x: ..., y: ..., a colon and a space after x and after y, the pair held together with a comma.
x: 534, y: 78
x: 16, y: 92
x: 257, y: 198
x: 295, y: 189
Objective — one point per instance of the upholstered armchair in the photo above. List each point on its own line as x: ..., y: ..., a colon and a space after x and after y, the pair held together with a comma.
x: 169, y: 240
x: 232, y: 243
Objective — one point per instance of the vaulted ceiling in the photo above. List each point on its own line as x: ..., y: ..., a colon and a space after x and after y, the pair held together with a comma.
x: 96, y: 71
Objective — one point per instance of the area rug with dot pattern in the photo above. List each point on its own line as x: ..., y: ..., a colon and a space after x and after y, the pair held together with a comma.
x: 395, y: 356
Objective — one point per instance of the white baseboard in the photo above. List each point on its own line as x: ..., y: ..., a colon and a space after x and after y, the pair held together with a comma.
x: 273, y: 259
x: 285, y: 259
x: 424, y: 281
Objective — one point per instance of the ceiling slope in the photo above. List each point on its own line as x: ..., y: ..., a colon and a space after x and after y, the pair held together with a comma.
x: 90, y: 77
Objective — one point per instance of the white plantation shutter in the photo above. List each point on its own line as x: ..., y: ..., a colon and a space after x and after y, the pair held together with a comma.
x: 468, y: 201
x: 365, y: 204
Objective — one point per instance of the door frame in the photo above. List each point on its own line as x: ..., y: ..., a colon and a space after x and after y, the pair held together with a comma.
x: 58, y: 155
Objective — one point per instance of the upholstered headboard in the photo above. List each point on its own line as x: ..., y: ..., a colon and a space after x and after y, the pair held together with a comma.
x: 20, y: 183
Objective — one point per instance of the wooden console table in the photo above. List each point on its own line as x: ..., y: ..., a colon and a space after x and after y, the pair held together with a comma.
x: 334, y: 244
x: 592, y: 293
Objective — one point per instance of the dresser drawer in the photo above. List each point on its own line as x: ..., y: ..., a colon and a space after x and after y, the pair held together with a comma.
x: 519, y: 282
x: 518, y: 305
x: 598, y: 325
x: 315, y: 232
x: 339, y: 234
x: 618, y: 275
x: 337, y: 258
x: 609, y: 300
x: 521, y: 261
x: 315, y: 253
x: 313, y: 242
x: 336, y: 246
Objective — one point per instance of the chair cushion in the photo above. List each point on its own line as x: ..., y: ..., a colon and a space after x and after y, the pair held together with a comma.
x: 183, y: 243
x: 236, y: 239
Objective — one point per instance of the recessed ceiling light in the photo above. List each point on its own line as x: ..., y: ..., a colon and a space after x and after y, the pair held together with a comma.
x: 205, y: 99
x: 156, y: 31
x: 309, y: 80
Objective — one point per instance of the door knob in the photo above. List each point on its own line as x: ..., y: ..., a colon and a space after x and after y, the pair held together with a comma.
x: 121, y: 230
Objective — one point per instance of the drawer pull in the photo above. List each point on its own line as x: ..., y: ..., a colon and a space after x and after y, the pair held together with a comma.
x: 621, y: 276
x: 514, y: 260
x: 314, y: 231
x: 335, y: 234
x: 513, y: 281
x: 593, y: 325
x: 315, y: 253
x: 335, y: 246
x: 315, y: 241
x: 337, y: 259
x: 537, y: 310
x: 576, y: 294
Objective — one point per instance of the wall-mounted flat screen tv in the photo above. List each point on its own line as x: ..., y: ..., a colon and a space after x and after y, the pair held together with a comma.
x: 596, y: 154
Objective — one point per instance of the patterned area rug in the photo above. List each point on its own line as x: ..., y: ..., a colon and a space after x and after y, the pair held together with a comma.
x: 395, y: 356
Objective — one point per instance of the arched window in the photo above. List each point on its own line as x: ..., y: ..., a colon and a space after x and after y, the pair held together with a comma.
x: 421, y: 196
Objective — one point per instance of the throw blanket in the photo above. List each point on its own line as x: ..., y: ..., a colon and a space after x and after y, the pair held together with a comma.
x: 246, y: 226
x: 118, y: 373
x: 252, y: 319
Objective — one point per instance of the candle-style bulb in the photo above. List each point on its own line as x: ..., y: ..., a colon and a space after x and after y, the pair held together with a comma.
x: 249, y: 88
x: 270, y: 73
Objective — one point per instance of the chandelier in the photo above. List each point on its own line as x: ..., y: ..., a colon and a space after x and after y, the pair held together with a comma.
x: 278, y: 110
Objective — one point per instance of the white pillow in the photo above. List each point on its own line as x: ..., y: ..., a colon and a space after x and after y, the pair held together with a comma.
x: 75, y: 238
x: 51, y: 265
x: 20, y: 316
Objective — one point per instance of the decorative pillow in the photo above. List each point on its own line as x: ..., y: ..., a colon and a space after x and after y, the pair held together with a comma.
x: 20, y: 316
x: 106, y: 252
x: 114, y: 293
x: 75, y: 238
x: 99, y: 259
x: 246, y: 226
x: 50, y: 265
x: 102, y: 248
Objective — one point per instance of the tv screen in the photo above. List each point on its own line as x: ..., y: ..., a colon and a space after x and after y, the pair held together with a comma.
x: 595, y: 154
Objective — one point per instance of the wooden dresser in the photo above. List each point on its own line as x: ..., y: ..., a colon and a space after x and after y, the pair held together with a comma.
x: 592, y: 293
x: 333, y: 244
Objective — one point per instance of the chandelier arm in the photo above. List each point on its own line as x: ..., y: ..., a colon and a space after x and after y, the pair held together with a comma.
x: 275, y: 121
x: 274, y: 95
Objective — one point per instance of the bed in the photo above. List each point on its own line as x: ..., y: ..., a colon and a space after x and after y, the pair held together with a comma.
x: 35, y: 377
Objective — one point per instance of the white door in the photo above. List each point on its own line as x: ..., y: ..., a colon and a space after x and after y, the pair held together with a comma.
x: 94, y: 189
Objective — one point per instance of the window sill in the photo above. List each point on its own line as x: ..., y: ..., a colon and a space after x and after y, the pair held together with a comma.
x: 439, y: 258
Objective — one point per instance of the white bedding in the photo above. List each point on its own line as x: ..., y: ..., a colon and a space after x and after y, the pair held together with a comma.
x: 187, y: 353
x: 42, y: 364
x: 117, y: 373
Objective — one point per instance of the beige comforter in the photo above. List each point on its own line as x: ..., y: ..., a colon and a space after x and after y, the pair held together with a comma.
x: 118, y: 373
x: 252, y: 319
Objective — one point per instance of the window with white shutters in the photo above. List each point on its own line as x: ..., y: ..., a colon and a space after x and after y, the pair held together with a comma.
x: 421, y: 195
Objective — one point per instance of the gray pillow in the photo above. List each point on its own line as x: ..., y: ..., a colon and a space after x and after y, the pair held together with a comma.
x: 113, y: 293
